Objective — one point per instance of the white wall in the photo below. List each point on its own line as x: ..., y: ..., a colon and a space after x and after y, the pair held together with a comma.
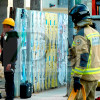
x: 26, y: 3
x: 10, y: 3
x: 45, y: 3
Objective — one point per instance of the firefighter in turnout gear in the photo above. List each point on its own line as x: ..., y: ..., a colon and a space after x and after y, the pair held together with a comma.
x: 85, y: 53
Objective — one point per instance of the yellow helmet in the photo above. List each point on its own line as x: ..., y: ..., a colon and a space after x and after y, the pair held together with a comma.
x: 9, y: 21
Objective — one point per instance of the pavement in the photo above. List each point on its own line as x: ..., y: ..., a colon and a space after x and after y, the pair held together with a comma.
x: 52, y: 94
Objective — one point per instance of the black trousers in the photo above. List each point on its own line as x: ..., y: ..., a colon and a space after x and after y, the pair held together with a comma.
x: 9, y: 85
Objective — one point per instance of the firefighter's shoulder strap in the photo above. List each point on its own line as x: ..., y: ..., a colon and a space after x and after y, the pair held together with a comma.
x: 73, y: 94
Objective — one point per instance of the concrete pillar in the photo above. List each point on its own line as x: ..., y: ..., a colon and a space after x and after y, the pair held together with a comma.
x: 3, y: 14
x: 35, y: 4
x: 3, y: 3
x: 18, y: 3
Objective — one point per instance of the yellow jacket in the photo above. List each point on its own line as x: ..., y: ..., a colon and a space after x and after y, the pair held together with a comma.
x: 86, y: 47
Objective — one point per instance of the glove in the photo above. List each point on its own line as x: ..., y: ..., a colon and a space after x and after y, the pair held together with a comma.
x: 77, y: 84
x: 97, y: 98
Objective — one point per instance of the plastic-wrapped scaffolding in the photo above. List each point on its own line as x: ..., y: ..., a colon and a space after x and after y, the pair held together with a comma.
x: 42, y: 49
x: 62, y: 48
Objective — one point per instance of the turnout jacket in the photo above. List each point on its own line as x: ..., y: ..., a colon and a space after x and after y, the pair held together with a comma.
x: 86, y: 54
x: 9, y: 48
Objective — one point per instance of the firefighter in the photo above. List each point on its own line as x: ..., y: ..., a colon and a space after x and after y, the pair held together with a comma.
x: 9, y: 55
x: 85, y: 53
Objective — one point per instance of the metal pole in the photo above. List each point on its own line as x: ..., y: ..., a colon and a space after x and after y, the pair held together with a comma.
x: 71, y: 3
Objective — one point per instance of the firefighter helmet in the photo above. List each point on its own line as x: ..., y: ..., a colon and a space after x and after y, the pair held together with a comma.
x: 79, y: 12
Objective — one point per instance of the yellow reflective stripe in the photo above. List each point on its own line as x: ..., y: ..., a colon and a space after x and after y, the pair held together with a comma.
x: 73, y: 43
x: 92, y: 69
x: 88, y: 64
x: 72, y: 72
x: 90, y: 57
x: 92, y: 34
x: 89, y: 60
x: 89, y: 36
x: 78, y: 70
x: 86, y: 71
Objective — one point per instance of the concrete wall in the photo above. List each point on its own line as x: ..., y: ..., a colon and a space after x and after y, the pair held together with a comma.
x: 56, y: 10
x: 88, y: 3
x: 96, y: 20
x: 45, y: 3
x: 3, y: 3
x: 63, y: 3
x: 42, y: 4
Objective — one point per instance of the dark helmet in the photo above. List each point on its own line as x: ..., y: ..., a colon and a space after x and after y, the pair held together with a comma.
x: 79, y: 12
